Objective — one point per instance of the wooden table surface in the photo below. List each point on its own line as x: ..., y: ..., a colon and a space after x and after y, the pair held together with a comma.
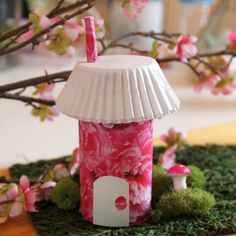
x: 219, y: 134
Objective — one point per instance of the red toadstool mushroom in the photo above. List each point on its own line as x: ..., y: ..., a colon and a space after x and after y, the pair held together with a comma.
x: 179, y: 173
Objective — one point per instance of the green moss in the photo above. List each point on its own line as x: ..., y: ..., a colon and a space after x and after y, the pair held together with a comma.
x: 66, y: 194
x: 196, y: 179
x: 218, y: 164
x: 161, y: 182
x: 187, y: 202
x: 35, y: 169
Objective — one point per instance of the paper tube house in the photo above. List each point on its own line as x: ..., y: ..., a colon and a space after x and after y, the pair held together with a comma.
x: 115, y: 100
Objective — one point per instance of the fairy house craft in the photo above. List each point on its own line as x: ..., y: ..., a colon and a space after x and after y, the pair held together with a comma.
x: 115, y: 100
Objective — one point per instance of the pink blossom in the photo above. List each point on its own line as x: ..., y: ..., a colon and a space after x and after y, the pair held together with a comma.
x: 99, y: 23
x: 231, y: 36
x: 174, y: 137
x: 222, y: 83
x: 26, y: 36
x: 73, y: 29
x: 58, y: 172
x: 164, y: 51
x: 55, y: 19
x: 168, y: 157
x: 10, y: 204
x: 44, y: 89
x: 28, y: 193
x: 30, y: 199
x: 205, y: 83
x: 71, y: 51
x: 75, y: 161
x: 133, y: 8
x: 9, y: 192
x: 16, y: 209
x: 55, y: 112
x: 72, y: 33
x: 24, y: 183
x: 224, y: 88
x: 44, y: 191
x: 44, y: 22
x: 186, y: 47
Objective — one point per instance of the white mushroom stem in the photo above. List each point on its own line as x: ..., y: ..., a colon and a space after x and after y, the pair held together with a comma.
x: 179, y: 182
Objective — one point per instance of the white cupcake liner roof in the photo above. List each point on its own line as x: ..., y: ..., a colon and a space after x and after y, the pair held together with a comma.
x: 117, y: 89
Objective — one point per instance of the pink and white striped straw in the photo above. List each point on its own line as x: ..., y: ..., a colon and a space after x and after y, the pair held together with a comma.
x: 91, y: 44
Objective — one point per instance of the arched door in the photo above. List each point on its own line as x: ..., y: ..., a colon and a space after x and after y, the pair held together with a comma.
x: 111, y: 202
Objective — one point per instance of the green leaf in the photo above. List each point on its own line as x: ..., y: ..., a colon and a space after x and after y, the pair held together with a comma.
x: 60, y: 43
x: 42, y: 111
x: 227, y: 80
x: 217, y: 62
x: 171, y: 45
x: 231, y: 47
x: 154, y: 52
x: 124, y: 2
x: 34, y: 18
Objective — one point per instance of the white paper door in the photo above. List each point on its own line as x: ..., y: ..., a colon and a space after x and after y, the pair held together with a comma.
x: 111, y: 202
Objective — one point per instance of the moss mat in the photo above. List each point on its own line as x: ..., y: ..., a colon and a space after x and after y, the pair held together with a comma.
x: 219, y: 166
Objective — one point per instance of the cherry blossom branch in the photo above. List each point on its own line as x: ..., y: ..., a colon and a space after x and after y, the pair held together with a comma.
x: 63, y: 76
x: 151, y: 34
x: 27, y: 100
x: 83, y: 6
x: 24, y: 28
x: 212, y: 68
x: 200, y: 59
x: 120, y: 45
x: 58, y: 10
x: 48, y: 78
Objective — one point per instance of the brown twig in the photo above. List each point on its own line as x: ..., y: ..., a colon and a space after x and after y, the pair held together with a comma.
x: 120, y: 45
x: 150, y: 34
x: 27, y: 100
x: 209, y: 65
x: 230, y: 61
x: 48, y: 78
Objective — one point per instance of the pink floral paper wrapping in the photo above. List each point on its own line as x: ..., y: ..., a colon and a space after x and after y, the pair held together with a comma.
x: 121, y: 150
x: 91, y: 44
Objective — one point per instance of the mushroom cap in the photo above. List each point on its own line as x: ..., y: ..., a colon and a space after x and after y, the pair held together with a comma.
x: 179, y: 170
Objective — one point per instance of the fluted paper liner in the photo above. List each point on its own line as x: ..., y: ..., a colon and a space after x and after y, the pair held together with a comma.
x: 117, y: 89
